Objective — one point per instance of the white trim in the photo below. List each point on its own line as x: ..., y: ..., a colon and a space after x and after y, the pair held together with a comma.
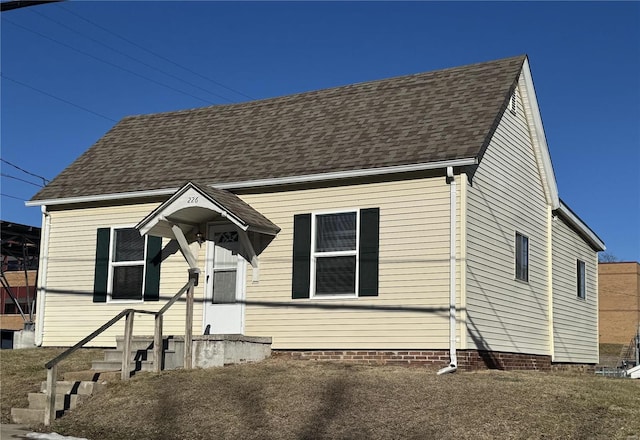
x: 587, y: 233
x: 581, y: 279
x: 305, y: 178
x: 539, y: 138
x: 112, y: 264
x: 315, y: 254
x: 41, y: 290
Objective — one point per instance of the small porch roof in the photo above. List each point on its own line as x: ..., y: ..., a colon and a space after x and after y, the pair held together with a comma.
x: 194, y: 205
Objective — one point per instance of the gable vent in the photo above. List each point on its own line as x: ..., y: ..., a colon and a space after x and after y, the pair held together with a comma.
x: 513, y: 102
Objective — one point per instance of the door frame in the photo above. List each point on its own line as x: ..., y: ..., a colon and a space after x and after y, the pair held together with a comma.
x: 241, y: 276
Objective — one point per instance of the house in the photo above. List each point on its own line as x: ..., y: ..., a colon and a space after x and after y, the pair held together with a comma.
x: 414, y: 219
x: 619, y: 306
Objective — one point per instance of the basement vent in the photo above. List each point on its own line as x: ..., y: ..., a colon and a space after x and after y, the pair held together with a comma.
x: 513, y: 102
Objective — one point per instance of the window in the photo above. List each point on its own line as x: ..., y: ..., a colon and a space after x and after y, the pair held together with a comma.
x: 522, y: 257
x: 580, y: 272
x: 513, y: 102
x: 225, y: 267
x: 336, y: 254
x: 127, y: 265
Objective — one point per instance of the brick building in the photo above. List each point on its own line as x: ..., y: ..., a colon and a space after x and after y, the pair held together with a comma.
x: 619, y: 301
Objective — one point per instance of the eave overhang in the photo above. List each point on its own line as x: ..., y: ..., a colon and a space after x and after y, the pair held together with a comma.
x: 581, y: 227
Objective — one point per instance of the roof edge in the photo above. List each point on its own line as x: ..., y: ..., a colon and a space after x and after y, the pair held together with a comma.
x: 306, y: 178
x: 581, y: 227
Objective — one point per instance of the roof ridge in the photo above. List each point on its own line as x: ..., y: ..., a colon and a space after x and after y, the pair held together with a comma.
x: 356, y: 85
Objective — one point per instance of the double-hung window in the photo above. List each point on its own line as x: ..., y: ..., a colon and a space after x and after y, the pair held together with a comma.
x: 335, y: 248
x: 336, y: 254
x: 127, y: 264
x: 522, y: 257
x: 581, y: 279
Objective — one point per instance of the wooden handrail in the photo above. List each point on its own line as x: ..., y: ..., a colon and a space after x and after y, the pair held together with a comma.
x: 157, y: 330
x: 52, y: 365
x: 68, y: 351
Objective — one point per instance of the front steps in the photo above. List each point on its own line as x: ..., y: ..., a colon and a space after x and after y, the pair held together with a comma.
x: 208, y: 351
x: 68, y: 395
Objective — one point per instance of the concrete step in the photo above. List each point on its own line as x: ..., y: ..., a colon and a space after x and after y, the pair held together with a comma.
x: 146, y: 342
x: 139, y: 355
x: 73, y: 387
x: 27, y: 416
x: 91, y: 376
x: 117, y: 365
x: 63, y: 401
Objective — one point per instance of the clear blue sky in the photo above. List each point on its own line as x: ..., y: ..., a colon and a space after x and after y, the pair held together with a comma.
x: 585, y: 59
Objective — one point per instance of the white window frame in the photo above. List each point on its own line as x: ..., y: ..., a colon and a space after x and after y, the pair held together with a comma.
x: 315, y: 255
x: 113, y: 264
x: 513, y: 102
x: 581, y: 280
x: 515, y: 257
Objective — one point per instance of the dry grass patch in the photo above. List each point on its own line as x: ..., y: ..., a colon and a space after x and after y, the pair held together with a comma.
x: 23, y: 370
x: 280, y: 400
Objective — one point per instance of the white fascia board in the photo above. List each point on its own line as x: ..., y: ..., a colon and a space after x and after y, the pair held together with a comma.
x: 266, y: 182
x: 102, y: 197
x: 540, y: 139
x: 581, y: 226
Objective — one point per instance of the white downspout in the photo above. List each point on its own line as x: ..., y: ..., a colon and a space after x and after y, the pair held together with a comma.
x: 453, y: 361
x: 43, y: 261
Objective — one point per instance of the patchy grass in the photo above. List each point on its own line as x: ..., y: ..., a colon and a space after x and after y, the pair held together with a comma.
x: 23, y: 370
x: 281, y: 400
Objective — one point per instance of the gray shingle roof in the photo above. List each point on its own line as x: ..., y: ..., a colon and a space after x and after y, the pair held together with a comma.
x: 422, y: 118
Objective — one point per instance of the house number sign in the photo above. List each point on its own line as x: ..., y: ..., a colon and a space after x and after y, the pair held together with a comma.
x: 192, y: 199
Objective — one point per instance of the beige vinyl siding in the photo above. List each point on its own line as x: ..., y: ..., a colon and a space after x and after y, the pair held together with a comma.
x: 70, y: 313
x: 506, y: 196
x: 575, y: 320
x: 413, y: 271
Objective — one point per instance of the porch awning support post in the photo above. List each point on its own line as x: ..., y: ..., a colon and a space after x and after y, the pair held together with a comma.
x: 253, y: 258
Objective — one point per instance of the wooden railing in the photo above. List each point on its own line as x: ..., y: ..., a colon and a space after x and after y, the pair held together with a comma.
x: 52, y: 365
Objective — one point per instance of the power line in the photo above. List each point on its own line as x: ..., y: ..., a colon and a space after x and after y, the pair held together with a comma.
x: 156, y: 54
x: 131, y: 57
x: 106, y: 62
x: 45, y: 181
x: 56, y: 97
x: 12, y: 197
x: 21, y: 180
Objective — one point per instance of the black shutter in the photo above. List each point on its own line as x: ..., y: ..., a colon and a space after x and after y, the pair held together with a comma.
x: 152, y: 268
x: 369, y: 250
x: 101, y: 273
x: 301, y: 255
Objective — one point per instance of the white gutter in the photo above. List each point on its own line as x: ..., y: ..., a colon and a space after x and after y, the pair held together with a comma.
x: 266, y: 182
x: 453, y: 361
x: 575, y: 221
x: 42, y: 274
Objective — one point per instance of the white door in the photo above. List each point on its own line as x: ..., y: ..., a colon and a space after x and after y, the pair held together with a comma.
x: 225, y: 282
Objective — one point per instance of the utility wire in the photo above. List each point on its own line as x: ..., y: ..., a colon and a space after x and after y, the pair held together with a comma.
x: 12, y: 197
x: 56, y: 97
x: 45, y: 181
x: 130, y: 57
x: 21, y: 180
x: 155, y: 54
x: 105, y: 61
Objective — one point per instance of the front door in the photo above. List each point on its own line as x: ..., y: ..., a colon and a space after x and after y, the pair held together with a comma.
x: 225, y: 282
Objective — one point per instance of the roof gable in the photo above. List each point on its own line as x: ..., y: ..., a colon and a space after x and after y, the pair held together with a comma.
x: 417, y: 119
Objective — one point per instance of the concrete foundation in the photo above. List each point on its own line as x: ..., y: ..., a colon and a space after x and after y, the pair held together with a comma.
x: 219, y: 350
x: 24, y: 339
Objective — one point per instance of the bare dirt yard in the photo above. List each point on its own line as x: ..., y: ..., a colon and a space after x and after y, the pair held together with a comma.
x: 279, y: 399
